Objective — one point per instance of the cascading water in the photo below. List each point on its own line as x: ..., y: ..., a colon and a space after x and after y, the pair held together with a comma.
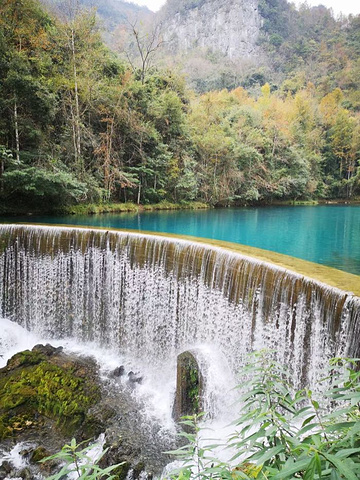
x: 151, y: 297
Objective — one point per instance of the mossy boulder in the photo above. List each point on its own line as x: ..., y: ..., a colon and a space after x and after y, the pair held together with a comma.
x: 45, y: 386
x: 189, y: 386
x: 48, y: 397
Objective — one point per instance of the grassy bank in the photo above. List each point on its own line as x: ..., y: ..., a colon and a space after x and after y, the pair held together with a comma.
x: 321, y: 201
x: 90, y: 208
x: 94, y: 208
x: 294, y: 202
x: 98, y: 208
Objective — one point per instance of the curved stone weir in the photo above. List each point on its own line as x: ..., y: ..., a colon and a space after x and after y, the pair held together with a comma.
x: 152, y: 297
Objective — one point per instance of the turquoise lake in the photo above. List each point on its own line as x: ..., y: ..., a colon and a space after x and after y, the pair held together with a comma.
x: 328, y: 234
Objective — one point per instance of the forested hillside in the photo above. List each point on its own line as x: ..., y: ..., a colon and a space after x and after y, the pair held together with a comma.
x: 112, y: 15
x: 79, y: 125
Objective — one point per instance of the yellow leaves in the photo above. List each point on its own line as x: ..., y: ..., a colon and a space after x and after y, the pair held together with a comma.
x: 265, y: 91
x: 295, y: 83
x: 250, y: 469
x: 241, y: 95
x: 304, y: 111
x: 330, y: 104
x: 173, y: 170
x: 342, y: 133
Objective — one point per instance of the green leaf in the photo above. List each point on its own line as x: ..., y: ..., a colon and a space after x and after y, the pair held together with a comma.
x: 318, y: 464
x: 302, y: 410
x: 346, y: 452
x: 290, y: 470
x: 334, y: 475
x: 310, y: 470
x: 315, y: 404
x: 308, y: 427
x: 339, y: 426
x: 264, y: 456
x: 341, y: 466
x: 307, y: 420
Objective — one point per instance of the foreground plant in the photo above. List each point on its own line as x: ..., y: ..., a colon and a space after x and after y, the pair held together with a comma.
x: 80, y: 463
x: 283, y: 435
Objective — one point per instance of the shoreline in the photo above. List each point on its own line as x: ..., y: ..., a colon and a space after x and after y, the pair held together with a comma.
x: 97, y: 209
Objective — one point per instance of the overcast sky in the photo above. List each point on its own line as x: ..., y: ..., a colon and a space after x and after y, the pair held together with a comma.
x: 344, y: 6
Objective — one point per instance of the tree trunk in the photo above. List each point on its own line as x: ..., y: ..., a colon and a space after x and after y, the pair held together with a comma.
x: 17, y: 140
x: 138, y: 198
x: 107, y: 160
x: 73, y: 123
x: 2, y: 168
x: 77, y: 130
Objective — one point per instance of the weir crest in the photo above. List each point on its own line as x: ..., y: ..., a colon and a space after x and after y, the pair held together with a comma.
x: 152, y: 297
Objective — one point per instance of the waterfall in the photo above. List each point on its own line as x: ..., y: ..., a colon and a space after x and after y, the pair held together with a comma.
x: 152, y: 297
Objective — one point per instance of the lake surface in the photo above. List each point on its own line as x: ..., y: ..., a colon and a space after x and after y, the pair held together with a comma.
x: 326, y: 234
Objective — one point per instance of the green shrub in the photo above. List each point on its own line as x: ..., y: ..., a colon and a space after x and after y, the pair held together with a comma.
x: 283, y: 435
x: 79, y: 461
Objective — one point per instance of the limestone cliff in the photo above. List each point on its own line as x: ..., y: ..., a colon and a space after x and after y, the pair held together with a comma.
x: 230, y: 27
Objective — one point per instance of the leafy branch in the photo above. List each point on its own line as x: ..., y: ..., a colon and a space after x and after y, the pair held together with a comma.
x: 81, y: 463
x: 282, y: 434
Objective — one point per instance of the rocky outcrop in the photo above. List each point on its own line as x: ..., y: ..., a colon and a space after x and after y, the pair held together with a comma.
x: 46, y: 390
x: 48, y: 397
x: 189, y: 385
x: 230, y: 27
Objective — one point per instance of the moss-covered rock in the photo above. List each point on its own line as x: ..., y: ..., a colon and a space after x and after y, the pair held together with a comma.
x: 122, y: 471
x: 39, y: 454
x: 189, y: 386
x: 48, y: 397
x: 41, y: 385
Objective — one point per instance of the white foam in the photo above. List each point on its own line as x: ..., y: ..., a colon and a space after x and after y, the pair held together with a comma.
x: 13, y: 339
x: 14, y: 456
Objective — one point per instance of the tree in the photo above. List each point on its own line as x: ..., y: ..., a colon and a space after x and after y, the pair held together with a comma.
x: 143, y: 47
x: 76, y: 40
x: 25, y: 97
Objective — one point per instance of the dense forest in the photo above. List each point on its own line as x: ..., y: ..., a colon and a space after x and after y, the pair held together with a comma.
x: 79, y: 125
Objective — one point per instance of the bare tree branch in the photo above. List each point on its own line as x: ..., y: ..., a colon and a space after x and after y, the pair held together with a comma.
x: 146, y: 45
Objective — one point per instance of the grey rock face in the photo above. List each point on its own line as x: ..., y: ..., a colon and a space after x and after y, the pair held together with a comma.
x: 230, y: 27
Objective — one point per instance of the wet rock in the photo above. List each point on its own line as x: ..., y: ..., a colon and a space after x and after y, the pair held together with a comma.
x: 114, y: 456
x: 38, y: 454
x: 26, y: 474
x: 134, y: 377
x: 46, y: 468
x: 25, y: 453
x: 45, y: 388
x: 46, y: 383
x: 138, y: 469
x: 189, y: 386
x: 119, y: 371
x: 5, y: 469
x: 47, y: 349
x: 23, y: 359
